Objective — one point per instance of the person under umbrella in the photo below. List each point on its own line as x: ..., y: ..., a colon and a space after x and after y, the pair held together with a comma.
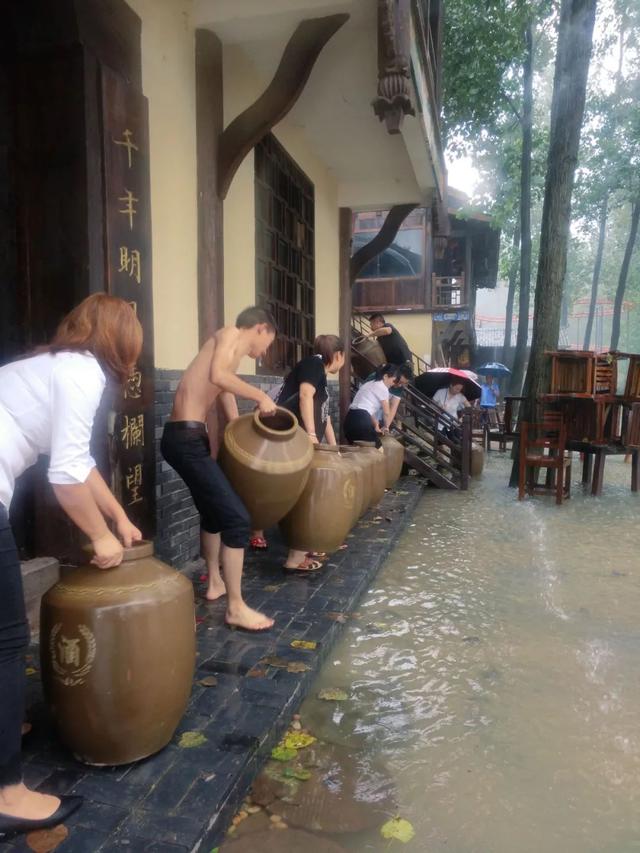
x: 490, y: 389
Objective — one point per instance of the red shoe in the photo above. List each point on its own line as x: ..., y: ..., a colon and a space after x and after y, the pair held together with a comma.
x: 258, y: 543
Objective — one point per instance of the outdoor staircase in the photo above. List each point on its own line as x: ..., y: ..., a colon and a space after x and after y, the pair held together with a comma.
x: 422, y: 426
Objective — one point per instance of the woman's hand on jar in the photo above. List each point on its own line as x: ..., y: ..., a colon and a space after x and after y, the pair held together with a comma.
x: 128, y: 532
x: 313, y: 437
x: 108, y: 551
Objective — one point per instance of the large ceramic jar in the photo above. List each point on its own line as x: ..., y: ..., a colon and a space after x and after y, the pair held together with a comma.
x: 379, y: 478
x: 477, y: 459
x: 365, y: 466
x: 366, y: 355
x: 324, y: 512
x: 267, y: 461
x: 393, y: 458
x: 117, y: 653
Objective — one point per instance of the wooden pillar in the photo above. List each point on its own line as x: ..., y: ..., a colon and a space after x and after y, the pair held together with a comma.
x: 598, y: 473
x: 209, y: 127
x: 587, y: 467
x: 345, y: 221
x: 635, y: 470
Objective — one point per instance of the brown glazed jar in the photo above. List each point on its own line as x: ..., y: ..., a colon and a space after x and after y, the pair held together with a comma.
x: 267, y: 461
x: 117, y: 654
x: 393, y: 458
x: 379, y: 480
x: 366, y: 355
x: 324, y: 512
x: 477, y: 459
x: 365, y: 466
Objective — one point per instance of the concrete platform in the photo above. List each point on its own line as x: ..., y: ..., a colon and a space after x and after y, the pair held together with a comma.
x: 182, y: 800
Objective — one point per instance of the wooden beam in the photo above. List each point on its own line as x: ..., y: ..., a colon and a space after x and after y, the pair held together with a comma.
x: 209, y: 124
x: 345, y: 306
x: 383, y: 239
x: 298, y: 59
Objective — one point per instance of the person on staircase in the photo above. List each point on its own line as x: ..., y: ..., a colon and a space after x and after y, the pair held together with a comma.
x: 405, y: 376
x: 395, y: 348
x: 48, y: 403
x: 362, y: 420
x: 305, y: 393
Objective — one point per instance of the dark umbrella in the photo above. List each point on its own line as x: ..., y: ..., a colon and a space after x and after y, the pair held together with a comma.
x: 441, y: 377
x: 493, y: 368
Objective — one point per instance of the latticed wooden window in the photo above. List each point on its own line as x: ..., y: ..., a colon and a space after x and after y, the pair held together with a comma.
x: 285, y: 253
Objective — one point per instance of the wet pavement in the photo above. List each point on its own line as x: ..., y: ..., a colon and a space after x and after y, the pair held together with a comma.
x: 183, y: 798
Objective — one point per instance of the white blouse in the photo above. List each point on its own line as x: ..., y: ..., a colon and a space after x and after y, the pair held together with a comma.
x: 370, y: 396
x: 47, y: 405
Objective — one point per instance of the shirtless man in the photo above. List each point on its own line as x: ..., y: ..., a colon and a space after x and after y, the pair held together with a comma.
x: 211, y: 379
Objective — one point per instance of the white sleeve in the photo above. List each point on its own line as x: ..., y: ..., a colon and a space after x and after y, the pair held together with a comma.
x: 76, y: 388
x: 439, y: 396
x: 383, y: 393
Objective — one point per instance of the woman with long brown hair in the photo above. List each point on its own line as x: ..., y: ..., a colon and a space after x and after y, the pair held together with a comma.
x: 48, y: 403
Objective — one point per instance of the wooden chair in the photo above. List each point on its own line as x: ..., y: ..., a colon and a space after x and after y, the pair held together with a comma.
x: 543, y: 445
x: 507, y: 426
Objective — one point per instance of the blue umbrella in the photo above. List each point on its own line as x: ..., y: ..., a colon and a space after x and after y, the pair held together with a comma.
x: 493, y: 368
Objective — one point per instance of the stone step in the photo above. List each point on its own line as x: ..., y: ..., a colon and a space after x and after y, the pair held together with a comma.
x: 38, y: 576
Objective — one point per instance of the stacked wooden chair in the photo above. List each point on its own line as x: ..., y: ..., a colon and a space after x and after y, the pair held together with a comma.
x: 543, y: 445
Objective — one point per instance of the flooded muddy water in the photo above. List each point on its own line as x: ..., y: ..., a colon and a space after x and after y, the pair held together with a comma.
x: 493, y: 671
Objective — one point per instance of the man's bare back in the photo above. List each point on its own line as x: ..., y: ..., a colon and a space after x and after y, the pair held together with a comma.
x: 212, y: 373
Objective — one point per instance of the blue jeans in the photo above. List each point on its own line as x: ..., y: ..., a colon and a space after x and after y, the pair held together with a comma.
x: 14, y: 641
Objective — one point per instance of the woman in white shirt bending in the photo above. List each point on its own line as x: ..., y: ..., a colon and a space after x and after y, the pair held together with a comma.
x: 48, y: 403
x: 452, y: 400
x: 361, y: 422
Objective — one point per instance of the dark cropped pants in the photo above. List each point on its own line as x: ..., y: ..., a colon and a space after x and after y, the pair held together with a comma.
x: 358, y: 426
x: 185, y: 446
x: 14, y: 640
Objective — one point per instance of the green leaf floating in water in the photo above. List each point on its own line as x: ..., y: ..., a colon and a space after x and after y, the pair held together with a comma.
x: 296, y: 773
x: 282, y: 753
x: 399, y: 829
x: 308, y: 645
x: 191, y: 739
x: 333, y: 694
x: 298, y: 740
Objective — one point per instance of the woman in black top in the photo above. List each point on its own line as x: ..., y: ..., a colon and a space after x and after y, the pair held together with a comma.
x: 305, y: 393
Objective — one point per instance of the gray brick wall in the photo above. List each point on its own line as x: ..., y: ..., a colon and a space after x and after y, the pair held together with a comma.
x: 177, y: 521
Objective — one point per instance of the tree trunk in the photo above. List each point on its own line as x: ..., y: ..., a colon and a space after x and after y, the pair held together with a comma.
x: 575, y: 37
x: 515, y: 382
x: 513, y: 280
x: 624, y: 272
x: 596, y: 271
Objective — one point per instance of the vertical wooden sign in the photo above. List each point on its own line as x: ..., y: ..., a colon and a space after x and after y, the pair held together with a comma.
x: 128, y: 260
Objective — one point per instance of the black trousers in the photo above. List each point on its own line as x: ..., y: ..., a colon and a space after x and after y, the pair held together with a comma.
x: 358, y: 426
x: 185, y: 446
x: 14, y: 640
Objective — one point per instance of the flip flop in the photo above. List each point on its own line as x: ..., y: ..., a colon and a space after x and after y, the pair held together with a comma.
x: 258, y: 543
x: 247, y: 630
x: 318, y: 555
x: 306, y: 567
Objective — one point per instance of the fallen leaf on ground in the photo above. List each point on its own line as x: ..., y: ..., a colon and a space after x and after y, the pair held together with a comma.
x: 298, y: 740
x: 273, y: 660
x: 257, y: 672
x: 208, y: 681
x: 204, y: 577
x: 274, y: 587
x: 46, y: 840
x: 333, y: 694
x: 401, y: 493
x: 199, y: 620
x: 30, y: 670
x: 304, y: 644
x: 337, y: 617
x: 191, y: 739
x: 297, y: 666
x: 399, y: 829
x: 281, y: 753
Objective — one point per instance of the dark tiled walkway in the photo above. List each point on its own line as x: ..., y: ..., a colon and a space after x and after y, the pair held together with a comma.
x: 182, y: 799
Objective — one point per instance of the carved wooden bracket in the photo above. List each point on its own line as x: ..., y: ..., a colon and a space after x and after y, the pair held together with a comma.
x: 383, y: 239
x: 298, y: 59
x: 394, y: 100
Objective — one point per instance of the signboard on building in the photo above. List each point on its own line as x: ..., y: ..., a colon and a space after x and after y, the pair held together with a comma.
x: 451, y: 316
x: 128, y: 275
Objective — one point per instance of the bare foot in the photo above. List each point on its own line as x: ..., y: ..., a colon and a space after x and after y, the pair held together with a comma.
x: 215, y: 590
x: 242, y: 616
x: 18, y: 801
